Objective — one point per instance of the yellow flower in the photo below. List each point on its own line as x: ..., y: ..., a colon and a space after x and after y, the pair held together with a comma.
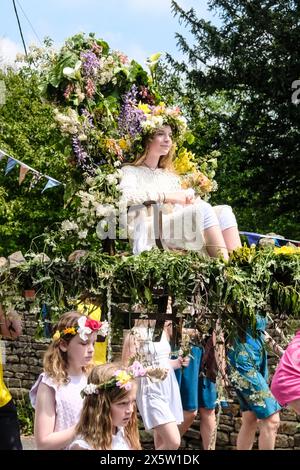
x: 123, y: 378
x: 184, y: 162
x: 144, y: 107
x: 69, y: 331
x: 287, y: 250
x: 154, y: 57
x: 56, y: 336
x: 123, y: 144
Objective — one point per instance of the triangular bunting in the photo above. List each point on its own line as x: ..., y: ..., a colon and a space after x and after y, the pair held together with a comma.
x: 11, y: 163
x: 24, y: 168
x: 23, y: 172
x: 51, y: 184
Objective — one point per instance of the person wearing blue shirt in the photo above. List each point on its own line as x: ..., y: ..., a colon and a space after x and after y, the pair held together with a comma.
x: 248, y: 373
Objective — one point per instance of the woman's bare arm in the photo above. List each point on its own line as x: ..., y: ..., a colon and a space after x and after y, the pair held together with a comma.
x: 45, y: 415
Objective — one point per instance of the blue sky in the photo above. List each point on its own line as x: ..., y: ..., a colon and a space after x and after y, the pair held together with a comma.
x: 138, y: 28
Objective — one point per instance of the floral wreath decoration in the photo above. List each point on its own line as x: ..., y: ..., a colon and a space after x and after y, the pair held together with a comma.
x: 139, y: 120
x: 85, y: 327
x: 123, y: 378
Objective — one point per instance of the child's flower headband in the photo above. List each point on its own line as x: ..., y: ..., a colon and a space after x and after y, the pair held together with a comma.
x: 123, y: 378
x: 85, y: 327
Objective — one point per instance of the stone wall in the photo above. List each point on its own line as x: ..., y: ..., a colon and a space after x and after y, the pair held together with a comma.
x: 24, y: 359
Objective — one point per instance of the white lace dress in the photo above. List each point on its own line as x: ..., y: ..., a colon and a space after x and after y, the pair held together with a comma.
x: 158, y: 402
x: 68, y: 402
x: 182, y: 226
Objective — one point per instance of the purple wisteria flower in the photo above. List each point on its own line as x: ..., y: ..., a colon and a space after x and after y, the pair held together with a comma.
x: 130, y: 118
x: 87, y: 114
x: 90, y: 64
x: 82, y: 157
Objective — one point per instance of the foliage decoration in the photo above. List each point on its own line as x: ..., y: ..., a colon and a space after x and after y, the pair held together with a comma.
x: 253, y: 279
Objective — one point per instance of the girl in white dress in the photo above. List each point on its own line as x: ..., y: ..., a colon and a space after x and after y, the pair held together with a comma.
x: 108, y: 418
x: 56, y: 394
x: 158, y: 402
x: 188, y: 223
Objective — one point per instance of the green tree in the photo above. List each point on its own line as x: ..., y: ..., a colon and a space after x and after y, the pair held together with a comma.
x: 251, y: 60
x: 28, y: 133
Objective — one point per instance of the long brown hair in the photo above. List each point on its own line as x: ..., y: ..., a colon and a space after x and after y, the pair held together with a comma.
x: 56, y: 360
x: 95, y: 424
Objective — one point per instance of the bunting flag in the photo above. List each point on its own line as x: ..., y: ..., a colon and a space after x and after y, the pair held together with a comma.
x: 23, y: 172
x: 51, y: 183
x: 11, y: 163
x: 253, y: 239
x: 24, y: 168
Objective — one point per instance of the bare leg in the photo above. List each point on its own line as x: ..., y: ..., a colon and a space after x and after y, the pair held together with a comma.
x: 246, y: 434
x: 295, y: 404
x: 214, y: 242
x: 189, y: 417
x: 232, y: 238
x: 166, y: 436
x: 207, y: 428
x: 268, y: 430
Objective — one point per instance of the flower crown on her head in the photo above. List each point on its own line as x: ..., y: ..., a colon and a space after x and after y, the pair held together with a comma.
x: 123, y: 378
x: 85, y: 327
x: 138, y: 120
x: 157, y: 116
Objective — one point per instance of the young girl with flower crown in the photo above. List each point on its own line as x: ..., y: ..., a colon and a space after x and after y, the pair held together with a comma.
x: 108, y: 419
x: 56, y: 394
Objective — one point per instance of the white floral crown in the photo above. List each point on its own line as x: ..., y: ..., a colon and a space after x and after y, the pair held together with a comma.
x: 85, y: 327
x: 154, y: 117
x: 123, y: 378
x: 139, y: 119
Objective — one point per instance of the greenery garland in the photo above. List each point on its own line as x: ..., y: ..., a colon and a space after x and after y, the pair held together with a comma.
x: 265, y: 279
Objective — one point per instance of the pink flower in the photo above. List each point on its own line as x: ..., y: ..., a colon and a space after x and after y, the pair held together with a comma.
x: 137, y: 369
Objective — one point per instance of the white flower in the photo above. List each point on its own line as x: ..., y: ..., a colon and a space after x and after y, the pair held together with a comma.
x: 103, y: 331
x: 70, y: 72
x: 112, y: 178
x: 152, y: 122
x: 90, y: 389
x: 67, y: 71
x: 68, y: 225
x: 82, y: 234
x: 83, y: 330
x: 103, y: 210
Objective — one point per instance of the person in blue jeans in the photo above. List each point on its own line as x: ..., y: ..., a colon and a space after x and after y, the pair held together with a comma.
x: 248, y: 373
x: 198, y: 392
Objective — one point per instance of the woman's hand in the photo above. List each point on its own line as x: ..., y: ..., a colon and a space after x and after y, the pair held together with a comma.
x: 180, y: 362
x: 184, y: 197
x: 185, y: 360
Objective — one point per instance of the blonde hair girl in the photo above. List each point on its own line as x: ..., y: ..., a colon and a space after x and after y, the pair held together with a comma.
x: 108, y: 419
x: 56, y: 393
